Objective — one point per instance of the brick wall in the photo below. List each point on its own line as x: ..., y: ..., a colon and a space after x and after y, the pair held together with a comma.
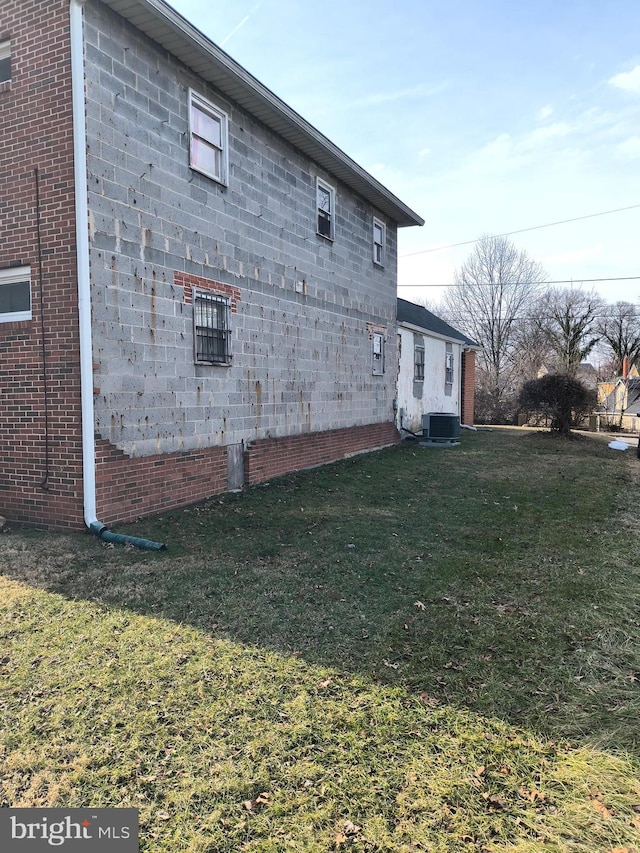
x: 40, y: 446
x: 269, y: 458
x: 468, y: 387
x: 128, y: 488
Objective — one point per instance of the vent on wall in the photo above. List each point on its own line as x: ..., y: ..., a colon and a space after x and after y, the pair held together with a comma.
x: 437, y: 426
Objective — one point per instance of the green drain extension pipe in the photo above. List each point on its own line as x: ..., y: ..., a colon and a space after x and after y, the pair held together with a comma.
x: 84, y: 290
x: 123, y: 539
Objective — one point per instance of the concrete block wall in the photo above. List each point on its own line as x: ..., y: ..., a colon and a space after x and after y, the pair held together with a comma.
x: 301, y: 361
x: 40, y: 432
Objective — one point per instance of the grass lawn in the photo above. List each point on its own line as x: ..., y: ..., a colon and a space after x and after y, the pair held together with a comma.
x: 414, y: 650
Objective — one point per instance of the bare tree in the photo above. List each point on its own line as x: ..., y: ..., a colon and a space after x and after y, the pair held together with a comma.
x: 619, y: 327
x: 570, y: 319
x: 495, y: 287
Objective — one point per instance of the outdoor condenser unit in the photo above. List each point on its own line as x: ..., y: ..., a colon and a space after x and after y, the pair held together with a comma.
x: 437, y: 426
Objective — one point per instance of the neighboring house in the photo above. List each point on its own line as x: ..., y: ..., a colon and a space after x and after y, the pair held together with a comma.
x: 619, y: 402
x: 436, y: 368
x: 197, y: 288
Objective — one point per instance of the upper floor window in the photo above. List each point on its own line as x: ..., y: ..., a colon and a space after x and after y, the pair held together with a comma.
x: 325, y: 201
x: 379, y: 233
x: 208, y: 138
x: 212, y: 335
x: 15, y: 294
x: 5, y: 61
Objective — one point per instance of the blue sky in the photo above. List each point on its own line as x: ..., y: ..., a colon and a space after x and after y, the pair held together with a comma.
x: 484, y: 116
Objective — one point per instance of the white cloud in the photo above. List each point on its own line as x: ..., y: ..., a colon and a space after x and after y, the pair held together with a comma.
x: 629, y: 81
x: 629, y: 149
x: 576, y: 256
x: 545, y: 112
x: 424, y: 153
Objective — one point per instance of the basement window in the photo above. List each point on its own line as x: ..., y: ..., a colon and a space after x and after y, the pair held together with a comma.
x: 212, y: 336
x: 5, y: 61
x: 208, y: 138
x: 15, y: 294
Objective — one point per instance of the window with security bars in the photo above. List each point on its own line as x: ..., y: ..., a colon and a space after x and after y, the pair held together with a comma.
x: 212, y: 335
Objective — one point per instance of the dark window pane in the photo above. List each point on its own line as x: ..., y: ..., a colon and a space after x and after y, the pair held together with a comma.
x: 15, y: 297
x: 5, y: 69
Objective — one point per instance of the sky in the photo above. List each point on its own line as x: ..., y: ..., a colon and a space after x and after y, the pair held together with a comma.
x: 484, y: 116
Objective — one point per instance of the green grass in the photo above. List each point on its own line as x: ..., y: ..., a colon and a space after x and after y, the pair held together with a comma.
x: 418, y: 649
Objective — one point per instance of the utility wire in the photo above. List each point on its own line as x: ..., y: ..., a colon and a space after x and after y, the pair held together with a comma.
x: 522, y: 230
x: 507, y: 283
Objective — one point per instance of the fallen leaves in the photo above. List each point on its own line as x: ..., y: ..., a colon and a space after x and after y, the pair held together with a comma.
x: 350, y: 832
x: 263, y: 799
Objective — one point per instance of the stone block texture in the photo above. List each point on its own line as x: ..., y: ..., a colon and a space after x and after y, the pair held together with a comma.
x: 303, y: 309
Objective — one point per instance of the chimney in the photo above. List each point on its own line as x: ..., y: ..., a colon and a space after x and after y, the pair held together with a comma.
x: 625, y: 368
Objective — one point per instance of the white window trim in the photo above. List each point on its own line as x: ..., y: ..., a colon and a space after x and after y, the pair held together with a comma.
x: 320, y: 184
x: 208, y: 107
x: 226, y: 329
x: 377, y: 354
x: 378, y: 223
x: 5, y: 53
x: 13, y: 276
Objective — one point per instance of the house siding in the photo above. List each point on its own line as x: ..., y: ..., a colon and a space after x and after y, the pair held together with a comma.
x: 418, y: 398
x: 304, y: 310
x: 40, y: 455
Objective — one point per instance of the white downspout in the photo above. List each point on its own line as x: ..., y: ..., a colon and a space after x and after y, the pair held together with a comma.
x: 82, y: 260
x: 84, y: 287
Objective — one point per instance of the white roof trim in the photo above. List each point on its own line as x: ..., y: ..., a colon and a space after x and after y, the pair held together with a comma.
x: 175, y: 34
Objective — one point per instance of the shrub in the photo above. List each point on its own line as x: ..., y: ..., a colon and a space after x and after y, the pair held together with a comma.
x: 561, y: 397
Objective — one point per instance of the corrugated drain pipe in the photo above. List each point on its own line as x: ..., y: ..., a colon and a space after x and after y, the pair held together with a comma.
x: 84, y: 289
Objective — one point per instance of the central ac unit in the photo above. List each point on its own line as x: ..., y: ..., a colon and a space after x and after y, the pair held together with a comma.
x: 438, y: 426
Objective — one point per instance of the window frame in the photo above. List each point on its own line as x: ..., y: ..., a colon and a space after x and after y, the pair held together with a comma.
x: 418, y: 364
x: 208, y: 108
x: 16, y: 275
x: 220, y: 332
x: 379, y: 247
x: 5, y: 54
x: 377, y: 354
x: 323, y: 186
x: 449, y: 369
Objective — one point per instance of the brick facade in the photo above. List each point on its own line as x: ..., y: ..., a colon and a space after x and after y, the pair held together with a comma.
x: 40, y: 441
x: 468, y: 386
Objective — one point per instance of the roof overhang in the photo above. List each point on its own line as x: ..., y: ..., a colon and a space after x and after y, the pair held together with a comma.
x: 412, y: 327
x: 175, y: 34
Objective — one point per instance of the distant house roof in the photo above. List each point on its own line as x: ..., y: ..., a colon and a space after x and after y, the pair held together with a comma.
x: 416, y: 315
x: 175, y: 34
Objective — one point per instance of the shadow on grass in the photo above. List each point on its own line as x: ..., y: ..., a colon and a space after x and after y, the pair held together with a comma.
x: 497, y: 576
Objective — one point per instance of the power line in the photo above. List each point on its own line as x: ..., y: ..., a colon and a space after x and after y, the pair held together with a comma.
x: 521, y: 230
x: 555, y: 281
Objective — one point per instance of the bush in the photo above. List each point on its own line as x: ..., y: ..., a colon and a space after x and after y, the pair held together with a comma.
x: 559, y: 396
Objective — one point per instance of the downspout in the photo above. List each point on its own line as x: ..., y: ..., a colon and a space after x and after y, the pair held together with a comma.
x: 84, y: 289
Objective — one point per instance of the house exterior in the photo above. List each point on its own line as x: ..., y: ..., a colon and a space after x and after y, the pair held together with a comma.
x: 197, y: 288
x: 436, y: 368
x: 619, y: 402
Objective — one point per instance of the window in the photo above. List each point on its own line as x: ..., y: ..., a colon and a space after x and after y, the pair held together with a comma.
x: 325, y: 200
x: 448, y: 370
x: 15, y: 294
x: 5, y: 61
x: 211, y: 328
x: 378, y: 241
x: 378, y: 354
x: 418, y: 363
x: 208, y: 138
